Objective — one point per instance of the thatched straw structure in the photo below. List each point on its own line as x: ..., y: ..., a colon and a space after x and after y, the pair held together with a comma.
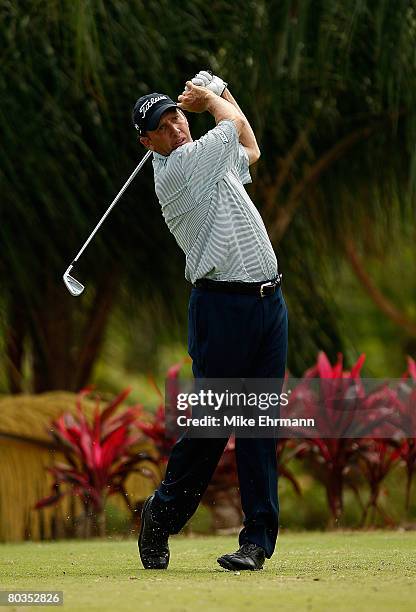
x: 25, y: 452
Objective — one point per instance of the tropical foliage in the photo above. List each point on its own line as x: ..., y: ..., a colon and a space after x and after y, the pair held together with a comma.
x: 99, y: 457
x: 27, y: 450
x: 338, y: 460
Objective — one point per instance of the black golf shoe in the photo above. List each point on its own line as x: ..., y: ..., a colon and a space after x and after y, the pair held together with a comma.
x: 248, y: 557
x: 153, y: 540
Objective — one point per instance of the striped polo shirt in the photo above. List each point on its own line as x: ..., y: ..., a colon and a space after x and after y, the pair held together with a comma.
x: 207, y: 209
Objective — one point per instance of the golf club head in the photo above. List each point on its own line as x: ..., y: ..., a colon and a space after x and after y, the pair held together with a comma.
x: 74, y: 287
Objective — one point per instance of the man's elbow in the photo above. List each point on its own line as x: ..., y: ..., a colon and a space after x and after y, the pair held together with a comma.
x: 254, y: 155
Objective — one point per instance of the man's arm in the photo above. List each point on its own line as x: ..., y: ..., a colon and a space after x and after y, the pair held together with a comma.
x: 207, y: 160
x: 246, y: 137
x: 218, y: 86
x: 199, y: 99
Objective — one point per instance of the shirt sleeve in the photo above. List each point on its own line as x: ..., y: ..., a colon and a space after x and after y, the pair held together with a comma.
x: 206, y: 160
x: 242, y: 165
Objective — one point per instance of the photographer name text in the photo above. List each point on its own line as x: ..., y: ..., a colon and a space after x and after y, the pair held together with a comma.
x: 262, y: 420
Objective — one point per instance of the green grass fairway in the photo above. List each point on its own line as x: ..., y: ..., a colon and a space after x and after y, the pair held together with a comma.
x: 310, y: 571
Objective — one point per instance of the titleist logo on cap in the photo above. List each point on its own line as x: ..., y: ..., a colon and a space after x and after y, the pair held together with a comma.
x: 149, y: 103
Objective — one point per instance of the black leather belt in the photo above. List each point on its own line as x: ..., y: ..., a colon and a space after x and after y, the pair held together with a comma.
x: 260, y: 289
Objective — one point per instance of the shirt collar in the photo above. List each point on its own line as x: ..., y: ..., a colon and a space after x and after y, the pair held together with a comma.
x: 163, y: 158
x: 158, y: 156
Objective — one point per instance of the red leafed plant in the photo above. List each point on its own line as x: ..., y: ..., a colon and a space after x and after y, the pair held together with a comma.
x: 330, y: 459
x: 155, y: 429
x: 99, y: 457
x: 378, y: 457
x: 407, y: 395
x: 335, y: 457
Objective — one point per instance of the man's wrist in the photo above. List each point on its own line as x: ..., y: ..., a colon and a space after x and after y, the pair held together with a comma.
x: 211, y: 100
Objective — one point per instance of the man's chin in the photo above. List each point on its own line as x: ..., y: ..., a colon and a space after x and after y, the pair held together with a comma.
x: 179, y: 144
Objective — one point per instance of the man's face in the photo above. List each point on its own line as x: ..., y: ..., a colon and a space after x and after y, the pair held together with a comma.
x: 171, y: 133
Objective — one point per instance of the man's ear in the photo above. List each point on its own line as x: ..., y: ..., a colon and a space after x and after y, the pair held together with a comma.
x: 146, y: 142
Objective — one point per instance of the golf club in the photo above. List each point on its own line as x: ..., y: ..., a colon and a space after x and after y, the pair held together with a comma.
x: 74, y: 286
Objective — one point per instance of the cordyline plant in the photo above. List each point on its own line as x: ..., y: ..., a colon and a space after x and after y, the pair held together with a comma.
x: 407, y: 396
x: 99, y: 457
x: 380, y: 455
x: 380, y: 420
x: 377, y: 457
x: 335, y: 454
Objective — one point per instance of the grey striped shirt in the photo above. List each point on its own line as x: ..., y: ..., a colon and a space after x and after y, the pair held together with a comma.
x: 200, y: 189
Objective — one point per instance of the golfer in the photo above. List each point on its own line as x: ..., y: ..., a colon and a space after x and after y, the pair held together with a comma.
x: 237, y: 315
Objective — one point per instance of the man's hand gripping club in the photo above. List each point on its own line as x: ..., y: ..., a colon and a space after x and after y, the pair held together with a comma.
x: 196, y: 99
x: 212, y: 82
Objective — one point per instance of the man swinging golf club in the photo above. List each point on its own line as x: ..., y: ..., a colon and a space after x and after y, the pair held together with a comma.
x: 237, y: 314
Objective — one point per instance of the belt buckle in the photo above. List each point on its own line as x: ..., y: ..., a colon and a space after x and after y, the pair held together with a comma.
x: 274, y: 283
x: 263, y: 286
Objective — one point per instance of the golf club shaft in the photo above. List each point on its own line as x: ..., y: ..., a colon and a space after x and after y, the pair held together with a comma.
x: 113, y: 203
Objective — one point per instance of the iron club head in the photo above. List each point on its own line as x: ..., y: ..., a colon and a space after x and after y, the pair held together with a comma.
x: 74, y: 287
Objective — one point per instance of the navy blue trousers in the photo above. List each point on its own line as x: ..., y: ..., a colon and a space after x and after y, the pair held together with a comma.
x: 230, y: 336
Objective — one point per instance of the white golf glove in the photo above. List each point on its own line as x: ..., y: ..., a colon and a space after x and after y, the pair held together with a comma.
x: 210, y: 81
